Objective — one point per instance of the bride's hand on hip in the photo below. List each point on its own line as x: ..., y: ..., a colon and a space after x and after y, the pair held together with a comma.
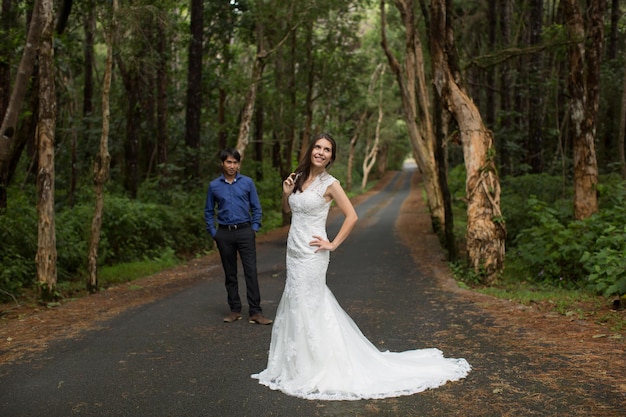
x: 322, y: 244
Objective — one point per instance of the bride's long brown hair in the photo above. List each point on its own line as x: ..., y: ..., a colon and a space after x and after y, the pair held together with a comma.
x: 304, y: 168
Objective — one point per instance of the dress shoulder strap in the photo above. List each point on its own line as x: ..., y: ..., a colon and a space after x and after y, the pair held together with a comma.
x: 327, y: 179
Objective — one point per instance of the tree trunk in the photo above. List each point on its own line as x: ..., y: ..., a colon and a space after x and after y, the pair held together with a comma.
x: 441, y: 123
x: 7, y: 18
x: 194, y: 90
x: 243, y: 137
x: 8, y: 130
x: 536, y: 89
x: 162, y: 81
x: 89, y: 28
x: 103, y: 160
x: 506, y: 123
x: 246, y: 118
x: 583, y: 84
x: 490, y: 71
x: 46, y: 258
x: 486, y: 233
x: 357, y: 131
x: 308, y: 121
x: 416, y: 106
x: 622, y: 130
x: 353, y: 141
x: 370, y: 157
x: 616, y: 13
x: 259, y: 117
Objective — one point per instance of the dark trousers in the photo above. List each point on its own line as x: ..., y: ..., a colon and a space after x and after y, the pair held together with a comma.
x: 242, y: 241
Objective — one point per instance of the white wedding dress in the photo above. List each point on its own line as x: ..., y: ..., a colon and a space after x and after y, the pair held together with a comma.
x: 317, y: 351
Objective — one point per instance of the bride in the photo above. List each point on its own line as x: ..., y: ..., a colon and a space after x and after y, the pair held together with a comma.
x: 316, y: 350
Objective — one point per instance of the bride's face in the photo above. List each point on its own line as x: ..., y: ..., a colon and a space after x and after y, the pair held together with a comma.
x: 322, y: 153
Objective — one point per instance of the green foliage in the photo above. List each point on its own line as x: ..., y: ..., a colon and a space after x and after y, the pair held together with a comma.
x: 126, y: 272
x: 551, y: 250
x: 587, y: 252
x: 18, y: 245
x: 606, y: 265
x: 456, y: 183
x: 516, y: 200
x: 132, y: 231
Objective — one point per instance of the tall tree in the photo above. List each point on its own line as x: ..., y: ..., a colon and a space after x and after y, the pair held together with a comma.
x: 243, y: 138
x: 535, y: 89
x: 89, y: 29
x: 583, y: 84
x: 486, y: 233
x: 622, y: 129
x: 371, y: 154
x: 416, y: 104
x: 46, y: 248
x: 194, y: 90
x: 6, y: 21
x: 103, y: 159
x: 161, y: 90
x: 10, y: 143
x: 506, y: 120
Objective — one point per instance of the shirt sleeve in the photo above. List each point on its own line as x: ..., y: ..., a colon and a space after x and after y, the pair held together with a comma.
x: 255, y: 208
x: 209, y: 212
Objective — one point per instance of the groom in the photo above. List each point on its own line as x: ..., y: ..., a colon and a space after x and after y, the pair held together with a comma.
x: 238, y: 219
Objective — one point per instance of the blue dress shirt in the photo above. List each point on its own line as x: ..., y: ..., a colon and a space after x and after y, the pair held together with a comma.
x: 237, y: 202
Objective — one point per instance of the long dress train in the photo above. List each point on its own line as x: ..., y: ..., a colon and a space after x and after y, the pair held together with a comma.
x: 316, y: 350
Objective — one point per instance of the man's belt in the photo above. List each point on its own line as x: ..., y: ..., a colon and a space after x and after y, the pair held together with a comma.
x: 234, y: 226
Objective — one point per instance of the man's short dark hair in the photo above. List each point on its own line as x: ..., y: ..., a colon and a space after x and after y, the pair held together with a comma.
x: 230, y: 152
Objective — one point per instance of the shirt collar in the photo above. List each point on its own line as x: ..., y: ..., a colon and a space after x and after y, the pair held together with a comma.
x: 237, y: 177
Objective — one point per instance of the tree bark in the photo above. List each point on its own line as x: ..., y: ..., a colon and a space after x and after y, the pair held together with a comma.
x: 615, y: 14
x: 6, y: 21
x: 583, y: 85
x: 8, y: 130
x: 353, y: 141
x: 486, y: 233
x: 162, y: 82
x: 535, y: 89
x: 505, y: 90
x: 416, y: 106
x: 308, y: 121
x: 194, y: 90
x: 248, y: 111
x: 622, y: 130
x: 243, y: 138
x: 370, y: 157
x: 46, y: 243
x: 103, y: 160
x: 89, y: 28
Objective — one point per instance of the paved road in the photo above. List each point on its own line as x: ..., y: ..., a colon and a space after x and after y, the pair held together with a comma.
x: 176, y: 358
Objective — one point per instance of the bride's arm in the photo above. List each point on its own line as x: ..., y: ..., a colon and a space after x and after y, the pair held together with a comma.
x: 336, y: 192
x: 286, y: 207
x: 288, y: 186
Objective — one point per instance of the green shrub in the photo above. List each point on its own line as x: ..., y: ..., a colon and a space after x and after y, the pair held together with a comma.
x: 606, y: 265
x: 551, y: 250
x: 516, y: 196
x: 587, y: 252
x: 131, y: 231
x: 18, y: 246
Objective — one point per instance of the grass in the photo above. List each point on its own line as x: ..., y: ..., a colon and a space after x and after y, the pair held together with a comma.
x: 110, y: 275
x: 126, y: 272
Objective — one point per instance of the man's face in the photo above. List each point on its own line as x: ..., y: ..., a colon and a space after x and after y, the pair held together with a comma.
x: 230, y: 166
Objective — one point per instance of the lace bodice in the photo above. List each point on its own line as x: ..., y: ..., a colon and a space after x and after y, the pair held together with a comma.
x: 306, y: 270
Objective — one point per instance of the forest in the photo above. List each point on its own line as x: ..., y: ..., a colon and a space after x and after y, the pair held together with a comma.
x: 114, y: 113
